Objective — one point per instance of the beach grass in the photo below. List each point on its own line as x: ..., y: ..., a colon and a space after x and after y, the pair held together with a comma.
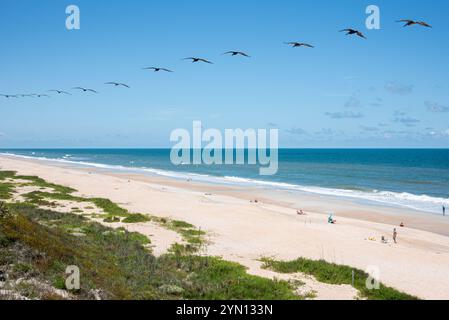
x: 116, y: 264
x: 39, y: 182
x: 39, y: 243
x: 190, y: 234
x: 136, y: 218
x: 115, y: 213
x: 332, y: 273
x: 6, y: 191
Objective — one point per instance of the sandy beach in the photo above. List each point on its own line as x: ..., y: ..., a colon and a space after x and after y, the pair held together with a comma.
x: 242, y: 230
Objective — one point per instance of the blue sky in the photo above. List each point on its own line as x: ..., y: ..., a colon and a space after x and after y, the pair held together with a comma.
x: 388, y: 91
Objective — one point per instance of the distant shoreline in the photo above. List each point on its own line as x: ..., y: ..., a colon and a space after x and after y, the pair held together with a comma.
x: 401, y: 199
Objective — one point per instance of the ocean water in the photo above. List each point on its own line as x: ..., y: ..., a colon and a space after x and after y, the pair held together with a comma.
x: 411, y: 178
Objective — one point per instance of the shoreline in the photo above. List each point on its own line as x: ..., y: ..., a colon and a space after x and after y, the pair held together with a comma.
x: 347, y: 207
x: 391, y: 200
x: 244, y: 232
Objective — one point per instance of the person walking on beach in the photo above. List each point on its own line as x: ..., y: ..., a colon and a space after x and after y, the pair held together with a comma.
x: 444, y: 210
x: 395, y: 234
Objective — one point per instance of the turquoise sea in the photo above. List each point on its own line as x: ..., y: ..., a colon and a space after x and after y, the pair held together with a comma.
x: 410, y: 178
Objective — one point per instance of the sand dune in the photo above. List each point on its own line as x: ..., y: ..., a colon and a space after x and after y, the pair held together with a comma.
x: 244, y: 231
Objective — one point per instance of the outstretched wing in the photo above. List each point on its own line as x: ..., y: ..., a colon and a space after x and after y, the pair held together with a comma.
x: 424, y: 24
x: 204, y: 60
x: 361, y: 35
x: 243, y: 54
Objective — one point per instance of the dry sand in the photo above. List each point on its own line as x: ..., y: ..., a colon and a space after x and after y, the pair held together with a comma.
x: 242, y: 231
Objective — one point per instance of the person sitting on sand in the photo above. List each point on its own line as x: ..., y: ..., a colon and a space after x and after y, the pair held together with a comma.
x: 395, y: 234
x: 331, y: 219
x: 402, y: 225
x: 300, y: 212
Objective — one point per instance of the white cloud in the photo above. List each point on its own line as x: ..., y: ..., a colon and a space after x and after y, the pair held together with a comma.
x: 353, y: 102
x: 399, y: 88
x: 436, y: 107
x: 297, y: 131
x: 344, y: 115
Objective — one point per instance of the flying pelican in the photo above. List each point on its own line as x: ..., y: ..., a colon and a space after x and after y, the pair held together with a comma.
x: 236, y: 53
x: 116, y: 84
x: 85, y: 89
x: 299, y: 44
x: 352, y: 31
x: 156, y: 69
x: 42, y: 95
x: 412, y: 22
x: 197, y: 60
x: 29, y: 95
x: 9, y: 95
x: 59, y: 92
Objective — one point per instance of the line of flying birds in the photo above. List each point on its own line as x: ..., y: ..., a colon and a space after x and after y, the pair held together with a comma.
x: 349, y: 31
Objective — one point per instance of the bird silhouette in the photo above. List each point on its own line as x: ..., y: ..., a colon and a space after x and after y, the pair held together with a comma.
x: 117, y: 84
x: 237, y: 53
x: 299, y: 44
x: 194, y: 59
x: 9, y: 95
x: 156, y: 69
x: 412, y: 22
x: 85, y: 89
x: 59, y: 92
x: 40, y: 95
x: 353, y: 31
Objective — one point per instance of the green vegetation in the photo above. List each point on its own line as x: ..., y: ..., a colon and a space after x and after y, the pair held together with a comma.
x: 35, y: 181
x: 7, y: 175
x: 116, y: 262
x: 39, y: 182
x: 41, y: 198
x: 194, y: 237
x: 107, y: 205
x: 135, y: 218
x: 40, y: 244
x: 336, y: 274
x: 111, y: 219
x: 6, y: 191
x: 111, y: 211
